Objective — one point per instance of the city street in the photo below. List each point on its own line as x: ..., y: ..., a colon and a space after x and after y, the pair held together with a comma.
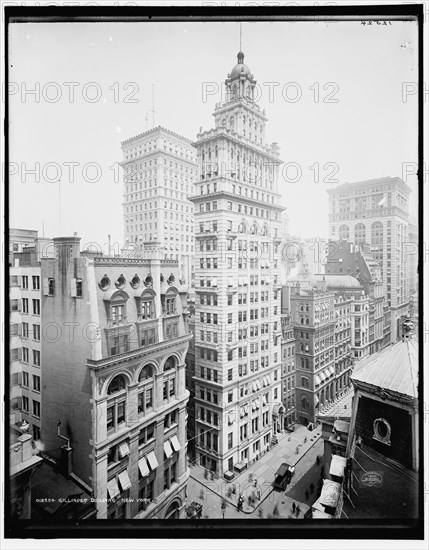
x: 211, y: 493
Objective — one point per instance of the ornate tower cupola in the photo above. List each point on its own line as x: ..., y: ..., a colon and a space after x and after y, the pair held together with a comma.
x: 240, y: 83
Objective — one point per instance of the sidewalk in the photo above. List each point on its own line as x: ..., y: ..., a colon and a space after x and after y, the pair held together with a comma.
x: 263, y: 470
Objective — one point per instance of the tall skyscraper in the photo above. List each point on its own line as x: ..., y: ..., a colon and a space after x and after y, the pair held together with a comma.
x: 159, y: 169
x: 375, y: 212
x: 237, y: 272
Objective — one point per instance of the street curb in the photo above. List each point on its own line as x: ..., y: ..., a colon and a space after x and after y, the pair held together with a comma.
x: 265, y: 497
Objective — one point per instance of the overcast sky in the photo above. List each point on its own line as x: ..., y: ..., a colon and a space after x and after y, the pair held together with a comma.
x: 338, y: 108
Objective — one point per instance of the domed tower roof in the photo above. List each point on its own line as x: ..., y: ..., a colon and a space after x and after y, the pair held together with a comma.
x: 240, y: 69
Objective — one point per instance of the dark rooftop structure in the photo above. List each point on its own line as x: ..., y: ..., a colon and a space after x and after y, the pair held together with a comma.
x: 384, y: 438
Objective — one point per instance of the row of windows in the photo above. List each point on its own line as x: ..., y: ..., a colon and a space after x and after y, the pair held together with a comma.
x: 35, y: 411
x: 35, y: 282
x: 35, y: 356
x: 26, y: 381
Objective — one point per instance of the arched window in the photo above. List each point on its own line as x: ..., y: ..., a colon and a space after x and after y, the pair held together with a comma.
x: 117, y: 402
x: 304, y: 403
x: 360, y: 234
x: 169, y: 383
x: 146, y: 305
x: 173, y: 509
x: 116, y: 307
x: 117, y: 384
x: 146, y: 388
x: 254, y: 229
x: 242, y: 228
x: 169, y: 302
x: 344, y: 232
x: 304, y: 382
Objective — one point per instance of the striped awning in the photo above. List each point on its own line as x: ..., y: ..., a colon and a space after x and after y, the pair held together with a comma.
x: 167, y: 449
x: 123, y: 449
x: 175, y: 443
x: 338, y: 465
x: 113, y: 488
x: 151, y: 458
x: 330, y: 493
x: 124, y: 480
x: 143, y: 467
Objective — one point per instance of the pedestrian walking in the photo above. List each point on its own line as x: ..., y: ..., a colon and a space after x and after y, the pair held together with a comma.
x: 240, y: 503
x: 293, y: 507
x: 305, y: 440
x: 298, y: 510
x: 297, y: 449
x: 212, y: 475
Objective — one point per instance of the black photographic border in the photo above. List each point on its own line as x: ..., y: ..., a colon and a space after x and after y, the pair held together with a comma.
x: 231, y: 529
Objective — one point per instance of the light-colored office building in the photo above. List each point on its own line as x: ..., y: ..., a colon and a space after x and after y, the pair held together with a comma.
x: 375, y: 213
x: 237, y: 282
x: 159, y: 170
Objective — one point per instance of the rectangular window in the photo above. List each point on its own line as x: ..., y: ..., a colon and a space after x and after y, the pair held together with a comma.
x: 25, y: 281
x: 25, y: 379
x: 36, y: 333
x: 36, y: 307
x: 25, y: 305
x: 36, y: 408
x: 25, y: 330
x: 36, y: 433
x: 117, y: 313
x: 36, y: 358
x: 51, y: 287
x: 36, y: 383
x: 36, y: 282
x: 25, y: 403
x: 25, y: 355
x: 230, y: 440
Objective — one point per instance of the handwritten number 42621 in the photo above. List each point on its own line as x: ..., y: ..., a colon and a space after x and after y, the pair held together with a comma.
x: 376, y: 22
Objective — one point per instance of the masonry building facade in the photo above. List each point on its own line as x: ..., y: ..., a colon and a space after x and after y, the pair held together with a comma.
x: 237, y: 324
x: 114, y: 383
x: 159, y: 167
